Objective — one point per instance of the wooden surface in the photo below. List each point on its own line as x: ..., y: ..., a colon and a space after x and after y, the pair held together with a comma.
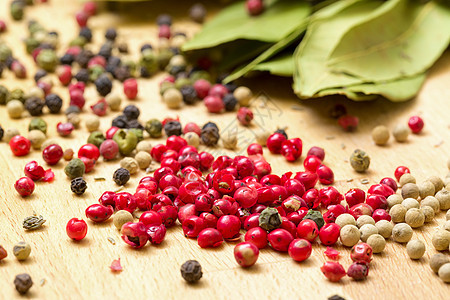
x: 81, y: 270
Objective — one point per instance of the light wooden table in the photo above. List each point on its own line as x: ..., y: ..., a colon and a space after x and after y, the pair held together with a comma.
x: 81, y: 270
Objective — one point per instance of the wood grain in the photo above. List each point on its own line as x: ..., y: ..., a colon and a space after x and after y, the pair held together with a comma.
x: 81, y: 270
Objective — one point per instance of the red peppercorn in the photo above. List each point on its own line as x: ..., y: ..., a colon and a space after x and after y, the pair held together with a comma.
x: 134, y: 234
x: 331, y: 253
x: 170, y: 154
x: 109, y: 149
x: 77, y: 98
x: 381, y: 189
x: 202, y: 88
x: 2, y: 26
x: 381, y: 214
x: 361, y: 209
x: 358, y: 270
x: 311, y: 163
x: 64, y: 129
x: 89, y: 164
x: 214, y: 104
x: 390, y: 182
x: 125, y: 201
x: 317, y: 152
x: 294, y: 187
x: 150, y: 218
x: 169, y: 215
x: 206, y: 160
x: 361, y: 252
x: 254, y: 149
x: 210, y: 238
x: 64, y: 73
x: 311, y: 198
x: 82, y: 18
x: 156, y: 234
x: 24, y: 186
x: 218, y: 90
x: 254, y: 7
x: 292, y: 149
x: 262, y: 168
x: 348, y: 122
x: 280, y: 239
x: 192, y: 226
x: 34, y: 171
x: 275, y: 141
x: 252, y: 221
x: 157, y: 151
x: 210, y: 219
x: 377, y: 201
x: 192, y: 127
x: 20, y: 146
x: 99, y: 213
x: 89, y: 151
x: 326, y: 175
x: 329, y: 196
x: 100, y: 107
x: 332, y: 270
x: 164, y: 31
x: 186, y: 211
x: 229, y: 226
x: 246, y: 254
x: 245, y: 116
x: 416, y: 124
x: 107, y: 199
x: 52, y: 154
x: 246, y: 197
x: 90, y: 8
x: 329, y: 234
x: 333, y: 212
x: 308, y: 230
x: 308, y: 179
x: 111, y: 132
x: 300, y: 249
x: 257, y: 236
x: 76, y: 229
x: 355, y: 196
x: 400, y: 171
x: 289, y: 226
x: 130, y: 88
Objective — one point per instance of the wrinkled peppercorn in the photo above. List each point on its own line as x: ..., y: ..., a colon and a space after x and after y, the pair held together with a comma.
x: 210, y: 136
x: 96, y: 138
x: 173, y: 128
x: 86, y: 32
x: 103, y: 85
x: 23, y: 283
x: 78, y: 185
x: 38, y: 124
x: 230, y: 102
x: 105, y: 50
x: 189, y: 94
x: 75, y: 168
x: 270, y: 219
x: 210, y: 124
x: 316, y: 216
x: 131, y: 112
x: 359, y: 160
x: 121, y: 176
x: 154, y: 128
x: 191, y: 271
x: 120, y: 121
x: 111, y: 34
x: 84, y: 57
x: 54, y: 103
x: 34, y: 106
x: 67, y: 59
x: 82, y: 75
x: 134, y: 124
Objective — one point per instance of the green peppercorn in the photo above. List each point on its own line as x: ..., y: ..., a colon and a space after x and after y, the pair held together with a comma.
x: 270, y: 219
x: 359, y: 160
x: 95, y: 72
x: 154, y: 128
x: 79, y: 41
x: 17, y: 9
x: 127, y: 141
x: 180, y: 82
x: 149, y: 61
x: 75, y: 168
x: 96, y: 138
x: 138, y: 132
x: 16, y: 94
x: 4, y: 94
x: 202, y: 74
x: 164, y: 57
x: 47, y: 60
x: 35, y: 27
x: 165, y: 85
x: 316, y: 216
x: 38, y: 124
x: 5, y: 52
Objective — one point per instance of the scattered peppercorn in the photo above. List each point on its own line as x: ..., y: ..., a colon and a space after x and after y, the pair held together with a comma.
x: 103, y: 85
x: 23, y: 283
x: 34, y: 106
x: 380, y: 135
x: 33, y: 222
x: 316, y: 216
x: 359, y: 160
x: 121, y: 176
x: 75, y: 168
x: 131, y: 112
x: 78, y: 185
x: 173, y: 127
x: 54, y: 103
x: 22, y: 250
x: 191, y: 271
x: 210, y: 136
x: 270, y: 219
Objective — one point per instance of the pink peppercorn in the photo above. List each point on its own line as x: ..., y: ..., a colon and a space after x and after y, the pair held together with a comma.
x: 332, y: 270
x: 252, y: 221
x: 311, y: 163
x: 150, y: 218
x: 300, y: 249
x: 24, y: 186
x: 164, y: 31
x: 52, y: 154
x: 246, y: 254
x: 100, y: 107
x: 308, y: 230
x: 125, y: 201
x: 19, y: 145
x: 348, y: 122
x: 317, y: 152
x: 361, y: 252
x: 64, y: 73
x: 76, y: 229
x: 280, y: 239
x: 311, y: 198
x: 416, y: 124
x: 229, y: 226
x: 134, y: 234
x: 390, y: 182
x: 214, y: 104
x: 2, y: 26
x: 355, y: 196
x: 275, y: 141
x: 90, y: 8
x: 329, y: 234
x: 89, y: 151
x: 77, y: 98
x: 400, y: 171
x: 168, y: 215
x: 209, y: 238
x: 326, y: 175
x: 99, y: 213
x: 292, y: 149
x: 254, y: 7
x: 109, y: 149
x: 308, y: 179
x: 192, y: 226
x: 381, y: 189
x: 64, y: 129
x: 34, y: 171
x: 245, y: 116
x: 89, y: 164
x: 192, y: 127
x: 18, y: 69
x: 333, y: 212
x: 254, y: 149
x: 361, y: 209
x: 257, y: 236
x: 156, y: 234
x: 202, y: 88
x: 82, y: 18
x: 130, y: 88
x: 111, y: 132
x: 107, y: 198
x: 331, y: 253
x: 358, y: 270
x: 381, y: 214
x: 329, y: 196
x: 218, y: 90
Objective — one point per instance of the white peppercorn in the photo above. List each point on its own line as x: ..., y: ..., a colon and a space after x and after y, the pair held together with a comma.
x: 414, y: 218
x: 437, y: 181
x: 229, y: 140
x: 36, y: 138
x: 35, y: 91
x: 15, y: 109
x: 262, y: 136
x: 437, y: 260
x: 144, y: 159
x: 10, y: 133
x: 130, y: 164
x: 345, y: 219
x: 367, y: 230
x: 92, y: 122
x: 363, y: 220
x: 114, y: 101
x: 410, y: 190
x: 397, y: 213
x: 192, y: 139
x: 350, y: 235
x: 384, y: 228
x: 410, y: 203
x: 401, y: 133
x: 121, y: 217
x: 444, y: 272
x: 443, y: 196
x: 173, y: 98
x: 380, y: 135
x: 22, y: 250
x: 377, y: 242
x: 402, y: 233
x: 406, y: 178
x: 447, y: 215
x: 145, y: 146
x: 446, y: 225
x: 415, y: 249
x: 431, y: 202
x: 75, y: 119
x: 441, y: 239
x: 428, y: 212
x: 243, y: 95
x: 426, y: 189
x: 394, y: 199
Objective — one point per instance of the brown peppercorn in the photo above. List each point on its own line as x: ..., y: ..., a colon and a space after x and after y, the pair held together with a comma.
x: 443, y: 196
x: 34, y: 106
x: 410, y: 190
x: 437, y: 260
x: 191, y: 271
x: 210, y: 136
x: 23, y: 283
x: 380, y: 135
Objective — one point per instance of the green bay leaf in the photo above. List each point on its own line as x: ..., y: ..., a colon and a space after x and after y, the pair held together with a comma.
x: 404, y: 38
x: 282, y: 65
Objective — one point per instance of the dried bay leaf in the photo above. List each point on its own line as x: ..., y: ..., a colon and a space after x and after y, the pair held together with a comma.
x: 404, y: 38
x: 232, y: 23
x: 282, y: 65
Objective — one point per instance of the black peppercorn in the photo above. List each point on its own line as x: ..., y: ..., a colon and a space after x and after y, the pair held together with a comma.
x: 172, y: 128
x: 210, y: 136
x: 123, y: 48
x: 231, y: 87
x: 84, y: 57
x: 112, y: 63
x: 135, y: 124
x: 86, y: 33
x: 39, y: 74
x: 191, y: 271
x: 145, y: 47
x: 103, y: 85
x: 72, y: 109
x: 78, y: 185
x: 336, y: 297
x: 23, y: 283
x: 67, y: 59
x: 164, y: 19
x: 337, y: 111
x: 105, y: 50
x: 1, y: 133
x: 121, y: 176
x: 154, y: 128
x: 54, y: 103
x: 132, y: 112
x: 34, y: 106
x: 120, y: 121
x: 111, y: 34
x: 210, y: 124
x: 189, y: 94
x: 230, y: 102
x: 121, y: 73
x: 283, y: 132
x: 82, y: 75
